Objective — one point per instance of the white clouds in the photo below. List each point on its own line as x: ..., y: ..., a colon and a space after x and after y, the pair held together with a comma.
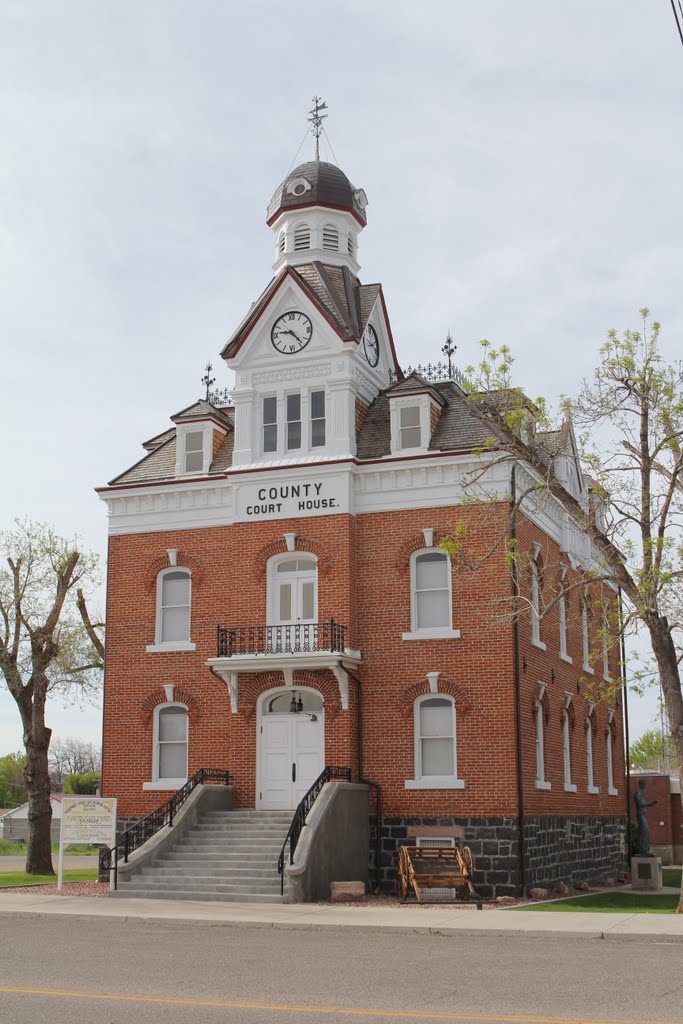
x: 521, y: 160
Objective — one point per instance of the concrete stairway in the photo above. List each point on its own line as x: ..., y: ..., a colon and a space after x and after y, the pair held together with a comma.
x: 228, y: 855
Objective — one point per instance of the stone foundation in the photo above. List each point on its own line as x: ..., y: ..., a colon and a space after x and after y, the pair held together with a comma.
x: 558, y: 849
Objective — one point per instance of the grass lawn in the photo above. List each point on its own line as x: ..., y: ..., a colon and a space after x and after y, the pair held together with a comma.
x: 9, y: 848
x: 8, y: 878
x: 612, y: 903
x: 672, y: 876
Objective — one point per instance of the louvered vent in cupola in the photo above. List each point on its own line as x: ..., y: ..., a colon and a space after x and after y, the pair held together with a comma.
x: 351, y: 246
x: 281, y: 243
x: 330, y: 238
x: 302, y: 238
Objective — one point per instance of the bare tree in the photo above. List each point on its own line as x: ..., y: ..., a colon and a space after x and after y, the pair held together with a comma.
x: 72, y: 756
x: 45, y: 649
x: 632, y: 412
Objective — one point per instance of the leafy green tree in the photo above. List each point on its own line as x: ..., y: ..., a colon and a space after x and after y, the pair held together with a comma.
x: 82, y: 783
x: 45, y: 649
x: 13, y: 790
x: 632, y: 414
x: 650, y: 752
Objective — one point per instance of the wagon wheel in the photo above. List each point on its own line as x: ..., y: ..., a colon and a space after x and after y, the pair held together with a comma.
x: 466, y: 855
x: 402, y: 876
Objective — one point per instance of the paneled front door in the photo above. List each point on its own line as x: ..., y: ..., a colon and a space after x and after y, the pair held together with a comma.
x: 291, y: 759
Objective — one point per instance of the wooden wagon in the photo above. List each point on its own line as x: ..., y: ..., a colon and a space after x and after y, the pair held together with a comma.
x: 422, y: 868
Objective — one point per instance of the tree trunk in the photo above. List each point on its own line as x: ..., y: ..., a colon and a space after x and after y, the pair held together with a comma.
x: 667, y: 662
x: 37, y: 778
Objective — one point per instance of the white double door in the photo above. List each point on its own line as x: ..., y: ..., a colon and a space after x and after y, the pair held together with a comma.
x: 291, y: 758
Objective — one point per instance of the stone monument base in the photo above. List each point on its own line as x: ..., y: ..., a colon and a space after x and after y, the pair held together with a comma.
x: 646, y: 873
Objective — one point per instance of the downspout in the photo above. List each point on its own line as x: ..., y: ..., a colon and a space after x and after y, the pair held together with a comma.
x: 367, y: 782
x: 518, y: 688
x: 626, y: 734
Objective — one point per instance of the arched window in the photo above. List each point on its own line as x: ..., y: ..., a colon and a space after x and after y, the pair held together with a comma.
x: 535, y: 569
x: 170, y: 744
x: 281, y: 241
x: 539, y: 723
x: 436, y: 762
x: 590, y: 773
x: 174, y: 589
x: 430, y: 575
x: 293, y: 601
x: 302, y: 237
x: 567, y: 725
x: 330, y: 238
x: 609, y: 739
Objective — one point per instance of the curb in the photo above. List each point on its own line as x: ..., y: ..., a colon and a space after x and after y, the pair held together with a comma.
x: 440, y: 930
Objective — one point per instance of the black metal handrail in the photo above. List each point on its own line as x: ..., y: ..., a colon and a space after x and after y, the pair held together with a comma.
x: 147, y: 827
x: 298, y: 638
x: 301, y: 813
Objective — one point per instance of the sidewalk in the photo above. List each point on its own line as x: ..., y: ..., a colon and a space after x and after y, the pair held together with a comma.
x: 321, y: 917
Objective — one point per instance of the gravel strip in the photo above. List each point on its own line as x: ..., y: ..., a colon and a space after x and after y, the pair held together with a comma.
x: 68, y: 889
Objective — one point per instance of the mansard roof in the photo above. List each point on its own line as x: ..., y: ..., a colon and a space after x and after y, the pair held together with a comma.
x: 339, y: 295
x: 202, y: 410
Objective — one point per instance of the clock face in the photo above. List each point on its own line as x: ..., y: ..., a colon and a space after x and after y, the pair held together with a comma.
x: 291, y: 332
x: 371, y: 345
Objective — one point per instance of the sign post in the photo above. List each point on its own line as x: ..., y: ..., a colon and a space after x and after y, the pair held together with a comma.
x: 87, y: 820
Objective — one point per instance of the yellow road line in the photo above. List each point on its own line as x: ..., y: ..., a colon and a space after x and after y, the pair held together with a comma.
x: 348, y: 1011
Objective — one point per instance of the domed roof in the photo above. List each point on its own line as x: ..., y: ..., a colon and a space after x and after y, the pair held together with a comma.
x: 317, y: 183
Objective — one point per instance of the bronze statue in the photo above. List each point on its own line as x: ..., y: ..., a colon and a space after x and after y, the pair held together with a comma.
x: 641, y: 819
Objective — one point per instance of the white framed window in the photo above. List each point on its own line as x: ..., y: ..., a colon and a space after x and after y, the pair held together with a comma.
x: 170, y: 745
x: 430, y: 595
x: 410, y: 431
x: 541, y: 782
x: 302, y: 237
x: 611, y: 788
x: 592, y: 788
x: 605, y: 638
x: 269, y: 408
x: 436, y: 764
x: 173, y: 611
x: 293, y: 589
x: 330, y: 238
x: 585, y: 638
x: 194, y: 451
x: 317, y: 419
x: 293, y: 407
x: 569, y: 786
x: 410, y: 423
x: 536, y: 604
x: 562, y: 613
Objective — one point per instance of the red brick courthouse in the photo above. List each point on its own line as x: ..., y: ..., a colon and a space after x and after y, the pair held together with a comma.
x: 274, y: 563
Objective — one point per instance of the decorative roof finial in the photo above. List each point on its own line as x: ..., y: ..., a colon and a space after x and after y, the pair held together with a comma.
x: 207, y: 380
x: 448, y: 350
x: 316, y: 120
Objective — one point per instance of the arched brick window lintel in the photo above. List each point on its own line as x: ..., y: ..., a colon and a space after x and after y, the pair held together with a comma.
x: 446, y: 688
x: 414, y: 543
x: 183, y: 561
x: 303, y: 544
x: 181, y: 695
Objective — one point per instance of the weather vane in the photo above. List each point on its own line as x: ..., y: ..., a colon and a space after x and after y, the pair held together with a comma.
x: 316, y: 120
x: 448, y: 350
x: 207, y: 380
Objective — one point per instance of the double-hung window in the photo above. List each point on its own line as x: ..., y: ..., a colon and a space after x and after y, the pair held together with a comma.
x: 569, y: 786
x: 592, y: 788
x: 410, y: 432
x: 174, y: 599
x: 541, y: 781
x: 317, y: 419
x: 270, y: 424
x: 194, y: 451
x: 293, y: 422
x: 435, y: 750
x: 171, y: 744
x: 430, y: 595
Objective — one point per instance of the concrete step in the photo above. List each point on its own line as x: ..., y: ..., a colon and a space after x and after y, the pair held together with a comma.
x: 249, y: 815
x: 203, y: 885
x: 180, y: 894
x: 203, y: 871
x: 194, y: 845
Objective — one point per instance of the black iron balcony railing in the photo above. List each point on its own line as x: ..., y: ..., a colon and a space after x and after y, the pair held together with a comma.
x: 298, y: 638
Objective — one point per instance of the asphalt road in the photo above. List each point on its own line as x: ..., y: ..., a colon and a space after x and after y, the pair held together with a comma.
x: 76, y: 972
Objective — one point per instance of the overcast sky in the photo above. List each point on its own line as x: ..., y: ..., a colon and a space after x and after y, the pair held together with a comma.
x: 522, y: 162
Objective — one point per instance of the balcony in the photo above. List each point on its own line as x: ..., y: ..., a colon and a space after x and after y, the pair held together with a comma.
x: 298, y: 638
x: 307, y: 646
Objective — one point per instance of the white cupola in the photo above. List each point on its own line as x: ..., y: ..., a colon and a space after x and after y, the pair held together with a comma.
x: 317, y: 214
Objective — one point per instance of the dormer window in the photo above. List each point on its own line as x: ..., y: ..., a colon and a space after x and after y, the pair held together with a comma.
x: 194, y: 451
x: 410, y: 433
x: 330, y: 238
x: 302, y: 238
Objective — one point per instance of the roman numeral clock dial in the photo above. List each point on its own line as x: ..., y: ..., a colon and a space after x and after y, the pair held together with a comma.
x: 291, y: 332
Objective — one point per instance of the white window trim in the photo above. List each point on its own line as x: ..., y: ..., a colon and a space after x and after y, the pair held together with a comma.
x: 562, y: 614
x: 541, y: 781
x: 306, y: 447
x: 605, y: 647
x: 157, y: 783
x: 611, y: 788
x: 590, y: 764
x: 170, y: 645
x: 585, y: 640
x: 423, y: 402
x: 182, y: 430
x: 536, y: 608
x: 273, y: 616
x: 430, y: 632
x: 569, y: 786
x: 433, y: 781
